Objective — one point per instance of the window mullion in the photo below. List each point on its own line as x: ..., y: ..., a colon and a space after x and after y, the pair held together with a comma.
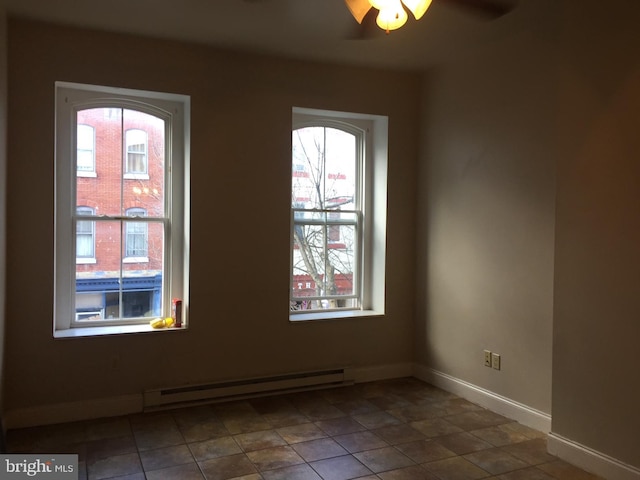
x: 123, y: 159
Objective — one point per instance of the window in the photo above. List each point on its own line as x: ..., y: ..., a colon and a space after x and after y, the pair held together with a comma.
x: 338, y: 214
x: 85, y: 236
x: 136, y: 141
x: 86, y: 149
x: 137, y: 234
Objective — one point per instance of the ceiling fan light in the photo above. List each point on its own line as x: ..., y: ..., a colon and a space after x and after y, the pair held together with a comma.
x: 380, y: 4
x: 392, y: 17
x: 417, y: 7
x: 358, y: 8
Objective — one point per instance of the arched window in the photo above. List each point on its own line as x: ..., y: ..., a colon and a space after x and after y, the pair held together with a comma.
x: 136, y: 233
x: 331, y: 210
x: 333, y: 254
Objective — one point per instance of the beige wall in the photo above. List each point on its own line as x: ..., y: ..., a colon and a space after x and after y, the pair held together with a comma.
x: 529, y: 226
x: 596, y: 379
x: 487, y: 218
x: 240, y: 170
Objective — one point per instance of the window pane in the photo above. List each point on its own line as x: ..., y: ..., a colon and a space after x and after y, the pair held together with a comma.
x: 324, y: 199
x: 125, y: 281
x: 340, y: 154
x: 324, y: 168
x: 97, y: 279
x: 115, y: 288
x: 142, y: 278
x: 145, y: 143
x: 322, y: 267
x: 103, y: 191
x: 110, y: 190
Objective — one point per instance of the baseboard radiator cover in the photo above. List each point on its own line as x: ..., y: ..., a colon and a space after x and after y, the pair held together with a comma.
x: 245, y: 388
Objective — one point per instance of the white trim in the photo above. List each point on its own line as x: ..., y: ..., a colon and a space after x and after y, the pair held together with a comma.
x: 497, y: 403
x: 135, y: 260
x: 73, y: 411
x: 332, y: 315
x: 85, y: 260
x: 135, y: 176
x: 82, y: 331
x: 590, y: 460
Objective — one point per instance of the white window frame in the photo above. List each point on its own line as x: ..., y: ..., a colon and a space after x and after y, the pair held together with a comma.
x: 373, y: 185
x: 175, y: 110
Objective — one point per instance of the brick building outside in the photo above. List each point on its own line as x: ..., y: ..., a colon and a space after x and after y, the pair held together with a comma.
x: 119, y: 173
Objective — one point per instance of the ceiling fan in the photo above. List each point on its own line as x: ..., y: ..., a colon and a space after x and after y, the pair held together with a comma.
x: 392, y: 14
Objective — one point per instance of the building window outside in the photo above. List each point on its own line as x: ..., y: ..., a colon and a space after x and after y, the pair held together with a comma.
x: 136, y: 235
x: 85, y: 235
x: 133, y: 219
x: 136, y: 145
x: 335, y: 265
x: 86, y: 149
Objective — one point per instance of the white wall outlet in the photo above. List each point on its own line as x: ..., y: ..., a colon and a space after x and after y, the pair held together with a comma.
x: 487, y: 358
x: 495, y: 361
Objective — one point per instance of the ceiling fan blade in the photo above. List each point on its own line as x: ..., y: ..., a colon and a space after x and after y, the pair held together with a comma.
x: 358, y: 8
x: 490, y: 9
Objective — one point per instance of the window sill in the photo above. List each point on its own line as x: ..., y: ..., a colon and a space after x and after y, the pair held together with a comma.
x: 334, y: 315
x: 110, y: 330
x: 135, y: 260
x: 85, y: 261
x: 136, y: 176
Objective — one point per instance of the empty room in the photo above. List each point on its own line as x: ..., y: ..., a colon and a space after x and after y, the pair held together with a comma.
x: 449, y: 196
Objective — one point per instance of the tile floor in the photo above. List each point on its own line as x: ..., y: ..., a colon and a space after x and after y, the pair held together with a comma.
x: 400, y: 429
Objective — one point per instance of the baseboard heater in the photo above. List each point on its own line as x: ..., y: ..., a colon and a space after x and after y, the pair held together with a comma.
x: 245, y: 388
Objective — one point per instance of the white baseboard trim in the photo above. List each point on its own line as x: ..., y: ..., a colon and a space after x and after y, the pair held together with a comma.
x: 497, y: 403
x: 73, y: 411
x: 380, y: 372
x: 590, y: 460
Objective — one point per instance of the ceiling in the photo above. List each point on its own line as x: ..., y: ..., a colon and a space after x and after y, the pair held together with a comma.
x: 307, y: 29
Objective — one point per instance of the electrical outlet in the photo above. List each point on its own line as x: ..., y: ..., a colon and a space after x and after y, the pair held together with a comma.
x: 487, y: 358
x: 495, y: 361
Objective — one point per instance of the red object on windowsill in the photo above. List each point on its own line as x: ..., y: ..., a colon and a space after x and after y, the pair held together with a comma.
x: 177, y: 312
